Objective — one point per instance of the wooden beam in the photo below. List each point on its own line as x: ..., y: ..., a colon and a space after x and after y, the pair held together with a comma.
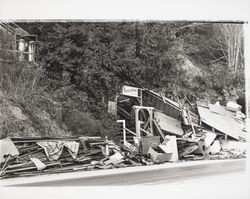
x: 158, y: 129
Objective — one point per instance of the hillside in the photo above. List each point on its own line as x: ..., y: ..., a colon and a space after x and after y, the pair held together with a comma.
x: 81, y: 66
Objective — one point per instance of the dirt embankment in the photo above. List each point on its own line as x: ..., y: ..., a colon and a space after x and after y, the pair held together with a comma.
x: 18, y: 121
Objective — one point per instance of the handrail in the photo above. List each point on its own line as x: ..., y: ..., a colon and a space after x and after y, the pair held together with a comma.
x: 130, y: 131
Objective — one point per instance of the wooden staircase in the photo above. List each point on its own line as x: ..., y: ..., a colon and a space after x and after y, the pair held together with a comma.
x: 165, y: 105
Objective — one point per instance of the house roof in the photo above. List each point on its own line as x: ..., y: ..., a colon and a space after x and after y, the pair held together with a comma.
x: 13, y: 28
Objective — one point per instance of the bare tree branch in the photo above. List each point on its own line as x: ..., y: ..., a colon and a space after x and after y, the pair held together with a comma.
x: 229, y: 38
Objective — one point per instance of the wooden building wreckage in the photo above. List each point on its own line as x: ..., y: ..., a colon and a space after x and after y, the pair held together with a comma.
x: 153, y: 129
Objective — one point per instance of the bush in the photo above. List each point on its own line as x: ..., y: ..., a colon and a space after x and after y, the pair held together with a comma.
x: 80, y: 123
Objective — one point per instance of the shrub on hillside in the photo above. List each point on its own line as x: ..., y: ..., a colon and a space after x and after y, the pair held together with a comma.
x: 80, y: 123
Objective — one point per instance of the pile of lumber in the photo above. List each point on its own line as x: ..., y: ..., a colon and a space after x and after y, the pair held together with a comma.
x: 25, y: 156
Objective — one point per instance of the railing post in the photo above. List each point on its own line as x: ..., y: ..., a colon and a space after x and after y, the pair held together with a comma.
x: 151, y: 120
x: 137, y: 123
x: 123, y: 129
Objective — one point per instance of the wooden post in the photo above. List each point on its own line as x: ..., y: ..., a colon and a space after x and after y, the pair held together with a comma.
x: 124, y: 131
x: 137, y: 122
x: 151, y: 120
x: 116, y: 97
x: 106, y: 147
x: 191, y: 123
x: 141, y: 97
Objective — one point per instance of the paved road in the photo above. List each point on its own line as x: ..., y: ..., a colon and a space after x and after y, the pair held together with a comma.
x: 159, y: 175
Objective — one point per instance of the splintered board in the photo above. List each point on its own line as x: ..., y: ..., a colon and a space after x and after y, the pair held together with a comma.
x: 168, y: 124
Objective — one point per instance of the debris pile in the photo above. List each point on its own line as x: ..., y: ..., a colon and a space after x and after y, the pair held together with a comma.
x: 34, y: 156
x: 197, y: 130
x: 154, y: 130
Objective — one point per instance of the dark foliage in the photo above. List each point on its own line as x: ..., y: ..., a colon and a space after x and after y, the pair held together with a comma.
x: 86, y: 63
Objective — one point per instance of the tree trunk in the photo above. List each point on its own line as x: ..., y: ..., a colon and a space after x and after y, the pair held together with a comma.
x: 137, y: 35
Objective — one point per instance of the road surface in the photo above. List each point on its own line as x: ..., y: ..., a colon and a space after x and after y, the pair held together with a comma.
x: 195, y: 180
x: 148, y: 175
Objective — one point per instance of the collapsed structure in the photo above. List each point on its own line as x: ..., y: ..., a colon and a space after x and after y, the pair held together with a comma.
x: 154, y: 129
x: 199, y: 130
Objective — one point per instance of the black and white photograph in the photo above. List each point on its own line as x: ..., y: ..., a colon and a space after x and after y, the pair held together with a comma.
x: 110, y: 102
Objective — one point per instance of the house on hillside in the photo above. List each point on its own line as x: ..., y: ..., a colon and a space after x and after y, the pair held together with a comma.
x: 16, y: 43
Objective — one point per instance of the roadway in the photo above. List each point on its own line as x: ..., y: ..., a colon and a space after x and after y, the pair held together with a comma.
x: 146, y: 175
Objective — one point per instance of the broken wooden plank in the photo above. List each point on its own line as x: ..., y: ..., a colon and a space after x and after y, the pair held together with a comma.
x: 169, y: 145
x: 114, y: 159
x: 188, y: 150
x: 158, y: 129
x: 146, y: 142
x: 168, y: 124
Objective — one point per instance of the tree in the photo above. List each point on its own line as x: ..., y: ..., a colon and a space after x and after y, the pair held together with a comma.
x: 100, y: 57
x: 228, y: 39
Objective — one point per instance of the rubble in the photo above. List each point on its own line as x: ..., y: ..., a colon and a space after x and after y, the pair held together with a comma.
x: 199, y: 129
x: 7, y: 148
x: 169, y: 145
x: 157, y: 155
x: 33, y: 159
x: 168, y: 124
x: 223, y: 120
x: 213, y: 148
x: 147, y: 141
x: 159, y: 131
x: 209, y: 138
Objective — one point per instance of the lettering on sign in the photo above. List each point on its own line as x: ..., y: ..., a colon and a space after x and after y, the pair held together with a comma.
x: 130, y: 91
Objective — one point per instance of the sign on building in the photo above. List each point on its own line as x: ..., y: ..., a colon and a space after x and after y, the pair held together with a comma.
x: 130, y: 91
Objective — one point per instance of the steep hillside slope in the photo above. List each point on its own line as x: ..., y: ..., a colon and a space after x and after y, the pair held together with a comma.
x: 17, y: 122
